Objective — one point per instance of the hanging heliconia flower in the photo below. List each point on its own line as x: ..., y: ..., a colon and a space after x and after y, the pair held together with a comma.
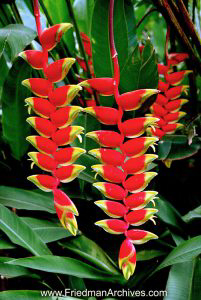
x: 123, y: 164
x: 53, y: 123
x: 168, y: 103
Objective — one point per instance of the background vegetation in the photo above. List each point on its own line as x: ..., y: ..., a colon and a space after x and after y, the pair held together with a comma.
x: 36, y: 253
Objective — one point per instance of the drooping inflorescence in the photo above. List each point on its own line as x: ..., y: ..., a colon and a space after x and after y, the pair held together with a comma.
x: 53, y: 123
x: 127, y: 196
x: 168, y: 103
x: 123, y: 165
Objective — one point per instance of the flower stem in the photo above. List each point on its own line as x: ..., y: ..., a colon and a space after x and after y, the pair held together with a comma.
x: 116, y: 75
x: 37, y: 17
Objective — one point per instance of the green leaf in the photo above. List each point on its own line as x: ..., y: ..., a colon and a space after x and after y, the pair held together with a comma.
x: 169, y: 215
x: 46, y: 230
x: 193, y: 215
x: 65, y: 265
x: 4, y: 69
x: 14, y: 38
x: 24, y: 295
x: 164, y: 148
x: 83, y: 10
x: 15, y: 127
x: 58, y: 12
x: 23, y: 199
x: 180, y: 148
x: 89, y: 250
x: 149, y: 254
x: 10, y: 271
x: 5, y: 244
x: 131, y: 25
x: 140, y: 71
x: 100, y: 40
x: 184, y: 281
x: 20, y: 233
x: 186, y: 251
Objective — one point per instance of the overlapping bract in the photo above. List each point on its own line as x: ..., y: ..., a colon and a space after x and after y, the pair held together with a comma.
x: 123, y: 165
x: 53, y: 123
x: 168, y: 103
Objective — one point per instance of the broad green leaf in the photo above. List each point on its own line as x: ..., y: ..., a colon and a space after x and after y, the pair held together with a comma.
x: 66, y: 265
x: 180, y: 148
x: 23, y: 199
x: 4, y: 69
x: 83, y: 10
x: 131, y: 25
x: 20, y: 233
x: 149, y: 254
x: 25, y: 295
x: 140, y: 71
x: 5, y: 244
x: 14, y: 38
x: 58, y: 13
x: 193, y: 214
x: 89, y: 250
x: 186, y: 251
x: 15, y: 127
x: 184, y: 281
x: 102, y: 63
x: 10, y: 271
x: 130, y: 73
x: 46, y: 230
x: 164, y: 148
x: 76, y: 283
x: 169, y: 215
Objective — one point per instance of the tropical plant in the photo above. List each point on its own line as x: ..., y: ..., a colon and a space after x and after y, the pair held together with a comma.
x: 105, y: 89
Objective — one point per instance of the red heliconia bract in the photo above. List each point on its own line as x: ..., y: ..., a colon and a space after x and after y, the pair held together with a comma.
x: 105, y: 115
x: 87, y: 43
x: 52, y: 35
x: 108, y: 156
x: 106, y: 138
x: 39, y: 86
x: 133, y: 100
x: 40, y: 106
x: 34, y: 58
x: 63, y: 95
x: 112, y: 208
x: 176, y: 58
x: 127, y: 258
x: 163, y: 86
x: 103, y: 86
x: 50, y: 158
x: 110, y: 173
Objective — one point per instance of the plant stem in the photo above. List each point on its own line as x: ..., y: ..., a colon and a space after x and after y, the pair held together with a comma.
x: 37, y: 18
x: 186, y: 17
x: 166, y: 43
x: 147, y: 13
x: 114, y: 51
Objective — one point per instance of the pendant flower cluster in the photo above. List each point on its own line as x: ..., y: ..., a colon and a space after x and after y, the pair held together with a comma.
x: 53, y: 123
x: 123, y: 165
x: 168, y: 103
